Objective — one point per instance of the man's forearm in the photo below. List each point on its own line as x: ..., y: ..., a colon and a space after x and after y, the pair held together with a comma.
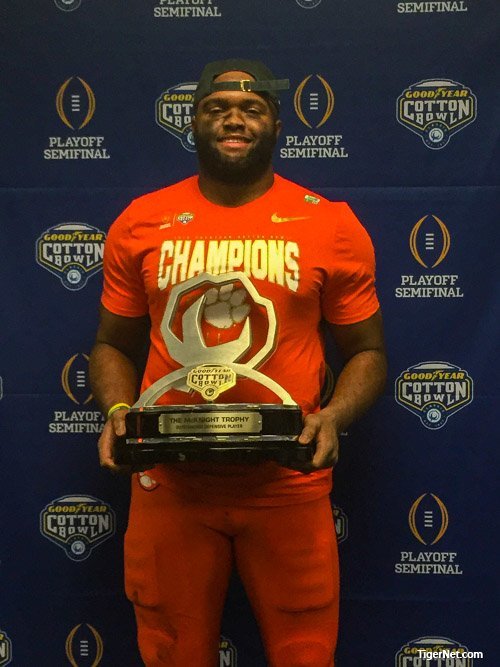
x: 113, y: 376
x: 358, y: 386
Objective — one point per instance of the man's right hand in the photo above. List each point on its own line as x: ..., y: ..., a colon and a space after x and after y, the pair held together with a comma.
x: 114, y: 427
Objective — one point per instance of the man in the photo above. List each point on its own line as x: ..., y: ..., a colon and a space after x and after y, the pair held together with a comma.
x: 311, y: 259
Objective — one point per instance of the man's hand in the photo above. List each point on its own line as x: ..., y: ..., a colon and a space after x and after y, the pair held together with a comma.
x: 320, y: 429
x: 359, y: 384
x: 115, y: 426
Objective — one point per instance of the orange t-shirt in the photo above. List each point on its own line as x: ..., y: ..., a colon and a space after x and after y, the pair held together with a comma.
x: 247, y: 285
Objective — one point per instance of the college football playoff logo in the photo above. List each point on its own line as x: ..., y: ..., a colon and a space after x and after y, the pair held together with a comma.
x: 314, y: 101
x: 429, y: 239
x: 74, y: 379
x: 428, y: 519
x: 75, y: 103
x: 84, y: 646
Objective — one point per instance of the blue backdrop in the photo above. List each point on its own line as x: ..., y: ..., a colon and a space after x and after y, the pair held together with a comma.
x: 393, y: 107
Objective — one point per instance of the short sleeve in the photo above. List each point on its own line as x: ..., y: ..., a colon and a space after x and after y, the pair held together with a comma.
x: 123, y: 290
x: 349, y: 294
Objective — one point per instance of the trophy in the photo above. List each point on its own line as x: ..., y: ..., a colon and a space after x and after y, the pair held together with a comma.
x: 208, y: 431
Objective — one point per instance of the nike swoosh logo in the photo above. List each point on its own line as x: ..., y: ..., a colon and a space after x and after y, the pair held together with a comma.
x: 276, y: 218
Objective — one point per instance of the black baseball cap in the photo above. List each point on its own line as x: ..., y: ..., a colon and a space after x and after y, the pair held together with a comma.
x: 263, y: 83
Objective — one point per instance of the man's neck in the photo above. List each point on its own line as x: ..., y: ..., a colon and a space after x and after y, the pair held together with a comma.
x: 230, y: 195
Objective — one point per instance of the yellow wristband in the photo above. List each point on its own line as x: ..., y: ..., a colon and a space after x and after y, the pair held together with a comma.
x: 117, y: 406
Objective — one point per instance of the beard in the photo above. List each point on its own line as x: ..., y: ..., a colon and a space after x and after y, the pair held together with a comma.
x: 235, y: 170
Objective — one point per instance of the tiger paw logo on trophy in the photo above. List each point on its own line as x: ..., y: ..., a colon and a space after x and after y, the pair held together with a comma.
x: 220, y: 330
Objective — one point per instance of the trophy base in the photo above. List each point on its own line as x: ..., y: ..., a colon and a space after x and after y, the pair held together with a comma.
x: 224, y: 450
x: 221, y: 433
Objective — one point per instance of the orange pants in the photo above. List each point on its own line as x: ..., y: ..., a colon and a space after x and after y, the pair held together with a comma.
x: 178, y: 560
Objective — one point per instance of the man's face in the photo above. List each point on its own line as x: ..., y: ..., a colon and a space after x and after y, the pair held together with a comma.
x: 235, y: 133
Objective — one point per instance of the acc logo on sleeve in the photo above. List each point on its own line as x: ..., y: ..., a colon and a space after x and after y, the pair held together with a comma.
x: 84, y: 646
x: 72, y: 251
x: 77, y: 524
x: 413, y: 653
x: 228, y: 655
x: 434, y: 390
x: 5, y: 649
x: 174, y: 110
x: 436, y: 109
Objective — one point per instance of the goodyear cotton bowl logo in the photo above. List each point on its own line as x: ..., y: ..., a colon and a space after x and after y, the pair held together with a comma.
x: 313, y: 102
x: 429, y: 243
x: 76, y: 386
x: 436, y: 109
x: 227, y: 653
x: 428, y: 521
x: 434, y: 390
x: 84, y: 646
x: 72, y: 251
x: 77, y: 524
x: 75, y: 106
x: 341, y: 524
x: 5, y: 649
x: 435, y: 652
x: 174, y: 109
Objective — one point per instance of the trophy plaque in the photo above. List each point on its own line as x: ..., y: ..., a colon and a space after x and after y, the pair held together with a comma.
x: 214, y: 431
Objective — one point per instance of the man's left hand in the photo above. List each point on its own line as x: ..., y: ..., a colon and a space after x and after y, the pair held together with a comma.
x: 319, y: 429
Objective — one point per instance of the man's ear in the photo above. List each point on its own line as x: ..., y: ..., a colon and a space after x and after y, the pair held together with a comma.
x: 278, y: 125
